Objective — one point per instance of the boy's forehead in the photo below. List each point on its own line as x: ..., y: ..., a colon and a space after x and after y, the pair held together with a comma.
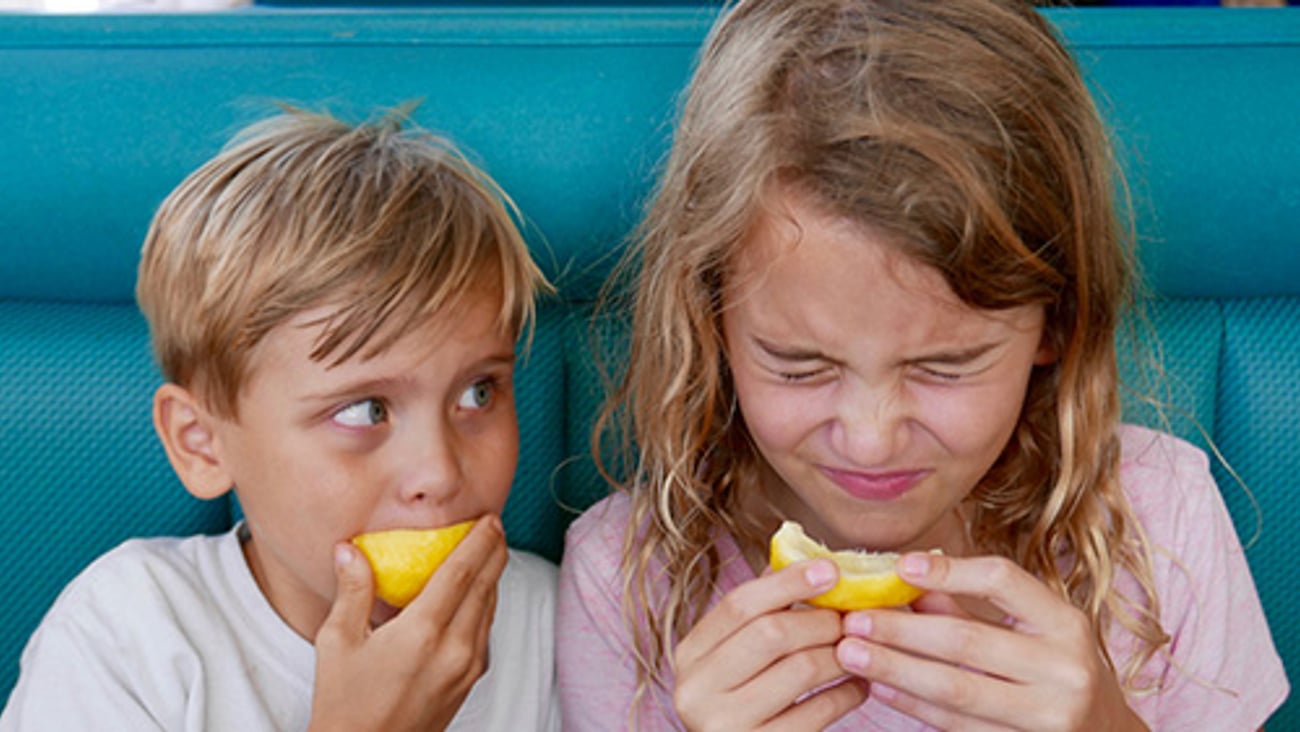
x: 470, y: 315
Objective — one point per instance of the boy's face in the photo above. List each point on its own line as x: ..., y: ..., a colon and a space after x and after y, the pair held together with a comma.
x: 420, y: 436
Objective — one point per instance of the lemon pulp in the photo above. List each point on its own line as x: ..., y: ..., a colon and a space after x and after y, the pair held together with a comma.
x: 403, y: 560
x: 867, y: 579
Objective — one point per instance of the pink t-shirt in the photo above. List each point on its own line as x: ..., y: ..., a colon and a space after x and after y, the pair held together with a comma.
x: 1224, y: 673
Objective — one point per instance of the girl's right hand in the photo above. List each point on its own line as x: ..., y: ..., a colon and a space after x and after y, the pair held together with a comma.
x: 753, y: 660
x: 413, y: 672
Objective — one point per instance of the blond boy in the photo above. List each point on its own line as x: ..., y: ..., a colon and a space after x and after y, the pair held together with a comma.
x: 334, y: 309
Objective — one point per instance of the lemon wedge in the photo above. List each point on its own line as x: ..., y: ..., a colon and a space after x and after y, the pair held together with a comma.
x: 867, y: 579
x: 403, y: 560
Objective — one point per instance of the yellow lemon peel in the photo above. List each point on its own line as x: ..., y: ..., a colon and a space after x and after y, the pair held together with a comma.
x: 403, y: 560
x: 867, y: 579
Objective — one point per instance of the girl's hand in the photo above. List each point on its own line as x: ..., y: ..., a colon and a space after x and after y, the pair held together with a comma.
x: 1040, y: 669
x: 413, y: 672
x: 753, y: 660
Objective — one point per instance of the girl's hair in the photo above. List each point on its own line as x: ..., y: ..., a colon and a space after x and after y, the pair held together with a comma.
x: 384, y: 222
x: 961, y: 130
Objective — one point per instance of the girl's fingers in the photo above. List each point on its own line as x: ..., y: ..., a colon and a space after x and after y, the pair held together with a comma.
x: 939, y: 603
x: 788, y: 680
x: 957, y: 641
x: 773, y: 637
x: 951, y: 688
x: 753, y: 599
x: 1030, y: 604
x: 820, y: 709
x: 933, y: 715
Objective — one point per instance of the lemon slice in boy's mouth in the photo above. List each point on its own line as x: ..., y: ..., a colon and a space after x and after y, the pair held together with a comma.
x: 403, y: 560
x: 867, y: 579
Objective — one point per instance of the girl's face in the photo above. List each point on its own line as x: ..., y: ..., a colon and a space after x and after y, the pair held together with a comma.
x: 877, y: 398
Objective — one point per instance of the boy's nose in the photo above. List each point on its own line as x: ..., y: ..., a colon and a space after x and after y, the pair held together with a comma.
x: 433, y: 472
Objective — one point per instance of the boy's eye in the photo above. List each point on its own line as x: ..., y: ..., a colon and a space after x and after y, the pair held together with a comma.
x: 363, y: 413
x: 478, y: 395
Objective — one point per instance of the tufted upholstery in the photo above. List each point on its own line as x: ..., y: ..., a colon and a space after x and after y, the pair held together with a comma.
x: 570, y: 109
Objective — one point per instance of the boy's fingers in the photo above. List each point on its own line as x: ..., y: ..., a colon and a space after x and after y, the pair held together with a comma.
x: 354, y: 595
x: 775, y: 591
x: 481, y: 553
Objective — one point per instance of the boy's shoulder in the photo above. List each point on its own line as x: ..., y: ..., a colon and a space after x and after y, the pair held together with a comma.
x: 526, y: 593
x: 136, y: 570
x: 528, y: 573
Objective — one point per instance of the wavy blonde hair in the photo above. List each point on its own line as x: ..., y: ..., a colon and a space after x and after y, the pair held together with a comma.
x: 962, y: 130
x: 388, y: 222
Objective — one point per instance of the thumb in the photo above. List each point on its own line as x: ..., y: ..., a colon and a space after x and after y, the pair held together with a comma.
x: 354, y: 595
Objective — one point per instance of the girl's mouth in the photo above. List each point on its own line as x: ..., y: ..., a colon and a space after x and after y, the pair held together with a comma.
x: 885, y: 486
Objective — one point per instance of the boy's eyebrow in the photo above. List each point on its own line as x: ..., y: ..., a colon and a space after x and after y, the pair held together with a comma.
x: 391, y: 383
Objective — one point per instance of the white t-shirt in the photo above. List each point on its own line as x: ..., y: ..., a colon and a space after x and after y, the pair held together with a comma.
x: 174, y: 634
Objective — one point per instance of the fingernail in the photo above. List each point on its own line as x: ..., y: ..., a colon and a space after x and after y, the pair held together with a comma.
x: 820, y: 574
x: 914, y: 565
x: 342, y: 555
x: 882, y: 692
x: 854, y: 656
x: 857, y: 624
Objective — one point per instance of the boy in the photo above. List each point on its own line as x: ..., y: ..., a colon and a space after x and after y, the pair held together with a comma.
x: 334, y: 310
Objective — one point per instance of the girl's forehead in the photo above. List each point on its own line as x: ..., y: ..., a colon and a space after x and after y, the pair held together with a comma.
x: 793, y: 235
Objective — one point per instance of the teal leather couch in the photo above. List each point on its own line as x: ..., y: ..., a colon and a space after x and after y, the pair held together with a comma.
x: 571, y: 110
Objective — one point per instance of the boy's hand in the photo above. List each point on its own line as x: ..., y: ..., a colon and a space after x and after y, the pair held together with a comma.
x: 756, y: 662
x: 413, y: 672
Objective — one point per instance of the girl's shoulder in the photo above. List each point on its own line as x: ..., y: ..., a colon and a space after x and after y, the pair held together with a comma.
x: 1169, y: 486
x: 1156, y: 464
x: 601, y: 527
x: 1143, y: 448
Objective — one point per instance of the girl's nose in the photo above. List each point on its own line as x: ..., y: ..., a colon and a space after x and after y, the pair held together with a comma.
x: 869, y: 425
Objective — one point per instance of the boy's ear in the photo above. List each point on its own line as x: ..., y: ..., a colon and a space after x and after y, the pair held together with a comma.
x: 186, y: 429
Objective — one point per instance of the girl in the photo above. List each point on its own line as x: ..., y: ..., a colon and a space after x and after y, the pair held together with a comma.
x: 877, y: 293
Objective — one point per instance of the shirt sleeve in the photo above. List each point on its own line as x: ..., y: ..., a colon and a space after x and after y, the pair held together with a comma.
x: 594, y: 648
x: 71, y: 679
x: 1222, y: 670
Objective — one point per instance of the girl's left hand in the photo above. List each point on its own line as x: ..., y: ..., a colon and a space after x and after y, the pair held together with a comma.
x: 1040, y: 669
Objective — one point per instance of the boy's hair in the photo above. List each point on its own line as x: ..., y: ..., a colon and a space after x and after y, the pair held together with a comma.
x: 383, y: 222
x: 963, y: 132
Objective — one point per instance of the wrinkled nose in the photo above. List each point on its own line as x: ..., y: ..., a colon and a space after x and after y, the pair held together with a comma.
x: 870, y: 425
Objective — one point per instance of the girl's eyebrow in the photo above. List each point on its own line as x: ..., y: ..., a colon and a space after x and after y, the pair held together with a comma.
x: 953, y: 358
x: 792, y: 353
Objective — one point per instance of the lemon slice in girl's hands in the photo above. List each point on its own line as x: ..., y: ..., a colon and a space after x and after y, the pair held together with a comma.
x: 403, y: 560
x: 867, y: 579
